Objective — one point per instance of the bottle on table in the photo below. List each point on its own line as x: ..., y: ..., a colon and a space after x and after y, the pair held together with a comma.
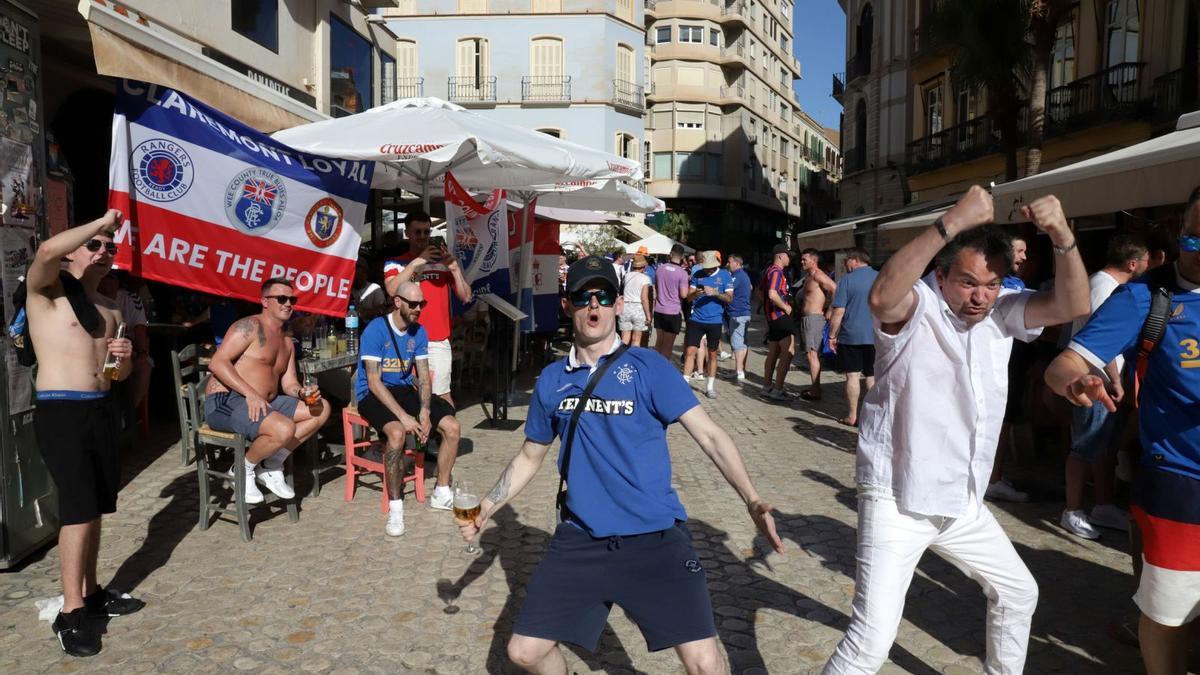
x: 112, y: 363
x: 352, y: 330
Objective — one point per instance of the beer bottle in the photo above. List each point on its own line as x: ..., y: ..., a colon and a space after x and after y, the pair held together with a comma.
x: 112, y: 363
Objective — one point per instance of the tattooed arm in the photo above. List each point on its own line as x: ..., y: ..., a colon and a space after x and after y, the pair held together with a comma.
x: 514, y: 479
x: 425, y: 391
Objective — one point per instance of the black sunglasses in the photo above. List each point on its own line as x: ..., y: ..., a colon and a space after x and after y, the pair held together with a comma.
x: 418, y: 304
x: 94, y: 245
x: 284, y: 299
x: 605, y: 296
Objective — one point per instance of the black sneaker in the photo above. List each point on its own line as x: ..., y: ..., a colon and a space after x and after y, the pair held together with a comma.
x: 106, y: 602
x: 75, y: 634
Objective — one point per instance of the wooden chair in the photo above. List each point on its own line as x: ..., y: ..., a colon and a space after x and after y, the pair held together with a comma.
x: 356, y: 464
x: 185, y: 368
x: 210, y: 444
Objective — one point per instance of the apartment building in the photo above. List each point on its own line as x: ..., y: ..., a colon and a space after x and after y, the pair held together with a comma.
x: 568, y: 68
x: 726, y: 140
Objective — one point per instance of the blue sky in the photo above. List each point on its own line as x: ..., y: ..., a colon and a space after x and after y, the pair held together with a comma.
x: 820, y: 31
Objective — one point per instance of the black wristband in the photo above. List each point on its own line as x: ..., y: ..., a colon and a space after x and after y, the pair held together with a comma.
x: 941, y: 229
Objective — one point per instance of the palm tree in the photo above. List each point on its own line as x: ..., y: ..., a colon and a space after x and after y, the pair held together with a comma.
x: 1002, y: 47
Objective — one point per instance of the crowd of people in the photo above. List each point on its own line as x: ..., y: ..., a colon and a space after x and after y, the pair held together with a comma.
x: 934, y: 383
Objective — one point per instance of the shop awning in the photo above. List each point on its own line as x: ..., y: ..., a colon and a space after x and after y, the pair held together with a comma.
x: 123, y: 47
x: 917, y: 221
x: 828, y: 238
x: 1157, y: 172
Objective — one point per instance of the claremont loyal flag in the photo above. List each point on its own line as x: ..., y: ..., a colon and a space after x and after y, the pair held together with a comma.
x: 216, y: 206
x: 479, y: 237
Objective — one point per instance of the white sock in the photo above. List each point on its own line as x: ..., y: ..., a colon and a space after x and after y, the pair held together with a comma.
x: 249, y: 466
x: 275, y: 461
x: 710, y: 383
x: 741, y: 374
x: 396, y: 505
x: 440, y: 490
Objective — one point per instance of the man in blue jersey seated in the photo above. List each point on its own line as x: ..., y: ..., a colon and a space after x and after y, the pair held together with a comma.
x: 394, y: 393
x: 622, y: 539
x: 1166, y: 504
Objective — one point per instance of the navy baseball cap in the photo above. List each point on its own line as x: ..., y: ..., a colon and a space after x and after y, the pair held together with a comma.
x: 592, y: 267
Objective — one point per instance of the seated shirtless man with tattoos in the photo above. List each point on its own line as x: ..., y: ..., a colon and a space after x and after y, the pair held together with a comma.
x: 254, y: 392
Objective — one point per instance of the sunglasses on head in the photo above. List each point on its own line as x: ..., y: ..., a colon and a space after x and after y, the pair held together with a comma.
x: 604, y: 296
x: 284, y: 299
x: 1189, y: 243
x: 415, y: 304
x: 94, y: 245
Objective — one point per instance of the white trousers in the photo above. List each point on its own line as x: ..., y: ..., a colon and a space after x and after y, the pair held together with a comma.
x: 891, y: 542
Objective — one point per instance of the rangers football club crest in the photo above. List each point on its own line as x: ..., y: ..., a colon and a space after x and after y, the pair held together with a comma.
x: 324, y: 223
x: 255, y: 200
x: 162, y: 170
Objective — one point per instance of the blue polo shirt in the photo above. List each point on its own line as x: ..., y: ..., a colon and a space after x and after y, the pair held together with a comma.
x: 852, y: 291
x: 707, y: 309
x: 1012, y: 282
x: 397, y: 369
x: 742, y: 286
x: 1170, y: 393
x: 620, y: 482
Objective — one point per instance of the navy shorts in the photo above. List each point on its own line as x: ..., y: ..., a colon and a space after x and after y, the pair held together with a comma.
x: 656, y: 578
x: 77, y: 433
x: 227, y: 411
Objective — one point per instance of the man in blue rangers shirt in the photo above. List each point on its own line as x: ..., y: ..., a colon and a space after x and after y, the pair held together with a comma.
x: 394, y: 349
x: 738, y: 315
x: 623, y: 539
x: 1167, y: 489
x: 710, y: 291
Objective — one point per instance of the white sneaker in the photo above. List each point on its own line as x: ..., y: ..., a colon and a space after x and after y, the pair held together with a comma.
x: 711, y: 393
x: 443, y: 501
x: 395, y: 524
x: 740, y: 378
x: 724, y: 356
x: 253, y: 496
x: 697, y: 375
x: 1003, y: 491
x: 1110, y: 516
x: 1076, y: 522
x: 277, y: 483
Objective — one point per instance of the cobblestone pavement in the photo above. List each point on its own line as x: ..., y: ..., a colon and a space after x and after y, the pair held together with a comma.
x: 331, y: 593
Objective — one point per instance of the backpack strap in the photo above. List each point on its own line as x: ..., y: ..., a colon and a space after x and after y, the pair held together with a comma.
x: 1161, y: 282
x: 598, y: 374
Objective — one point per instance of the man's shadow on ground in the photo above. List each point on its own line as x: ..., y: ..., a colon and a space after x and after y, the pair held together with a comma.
x: 165, y: 531
x: 943, y: 591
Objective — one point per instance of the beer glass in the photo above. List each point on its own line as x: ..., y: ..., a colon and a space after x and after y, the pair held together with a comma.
x: 466, y: 510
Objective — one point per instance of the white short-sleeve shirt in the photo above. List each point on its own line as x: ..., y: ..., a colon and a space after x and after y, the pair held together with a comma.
x: 929, y: 427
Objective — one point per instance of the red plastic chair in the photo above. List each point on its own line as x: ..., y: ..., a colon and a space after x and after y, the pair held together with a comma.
x: 356, y: 464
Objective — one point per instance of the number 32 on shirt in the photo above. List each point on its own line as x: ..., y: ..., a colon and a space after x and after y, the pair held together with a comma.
x: 1190, y: 356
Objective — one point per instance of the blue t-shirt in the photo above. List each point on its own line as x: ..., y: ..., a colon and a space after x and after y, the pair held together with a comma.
x: 707, y: 309
x: 376, y: 345
x: 1170, y: 394
x: 742, y: 286
x: 1012, y: 282
x: 852, y: 291
x: 620, y: 482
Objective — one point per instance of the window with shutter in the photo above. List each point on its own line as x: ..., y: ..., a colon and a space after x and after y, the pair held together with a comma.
x: 546, y: 81
x: 471, y: 82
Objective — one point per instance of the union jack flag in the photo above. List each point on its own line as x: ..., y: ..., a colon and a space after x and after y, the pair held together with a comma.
x: 259, y: 190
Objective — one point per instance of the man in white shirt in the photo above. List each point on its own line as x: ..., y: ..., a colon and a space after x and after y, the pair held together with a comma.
x: 929, y: 427
x: 1093, y: 429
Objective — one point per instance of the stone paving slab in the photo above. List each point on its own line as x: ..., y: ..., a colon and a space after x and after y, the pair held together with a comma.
x: 332, y: 594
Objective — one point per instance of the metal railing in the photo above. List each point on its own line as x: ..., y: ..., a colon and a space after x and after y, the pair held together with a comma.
x: 1175, y: 93
x: 839, y: 86
x: 736, y: 49
x: 410, y: 87
x: 469, y: 88
x: 1097, y: 98
x: 974, y: 138
x: 739, y: 7
x: 629, y: 93
x: 858, y: 65
x: 546, y: 88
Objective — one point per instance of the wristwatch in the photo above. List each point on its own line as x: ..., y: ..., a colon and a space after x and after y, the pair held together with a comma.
x: 941, y: 229
x: 1063, y: 250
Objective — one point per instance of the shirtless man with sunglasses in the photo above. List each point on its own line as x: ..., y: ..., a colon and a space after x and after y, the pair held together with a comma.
x: 254, y: 392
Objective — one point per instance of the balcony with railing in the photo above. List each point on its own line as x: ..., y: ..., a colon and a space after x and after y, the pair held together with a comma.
x: 629, y: 94
x: 970, y: 140
x: 470, y: 89
x: 1108, y: 95
x: 858, y: 66
x: 735, y: 91
x: 839, y: 87
x: 1175, y: 93
x: 738, y: 7
x: 546, y: 88
x: 651, y: 5
x: 410, y: 87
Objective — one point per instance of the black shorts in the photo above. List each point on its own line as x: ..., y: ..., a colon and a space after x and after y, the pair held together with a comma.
x: 668, y: 323
x: 657, y: 578
x: 857, y: 359
x: 696, y: 330
x: 78, y: 440
x: 378, y: 415
x: 781, y: 328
